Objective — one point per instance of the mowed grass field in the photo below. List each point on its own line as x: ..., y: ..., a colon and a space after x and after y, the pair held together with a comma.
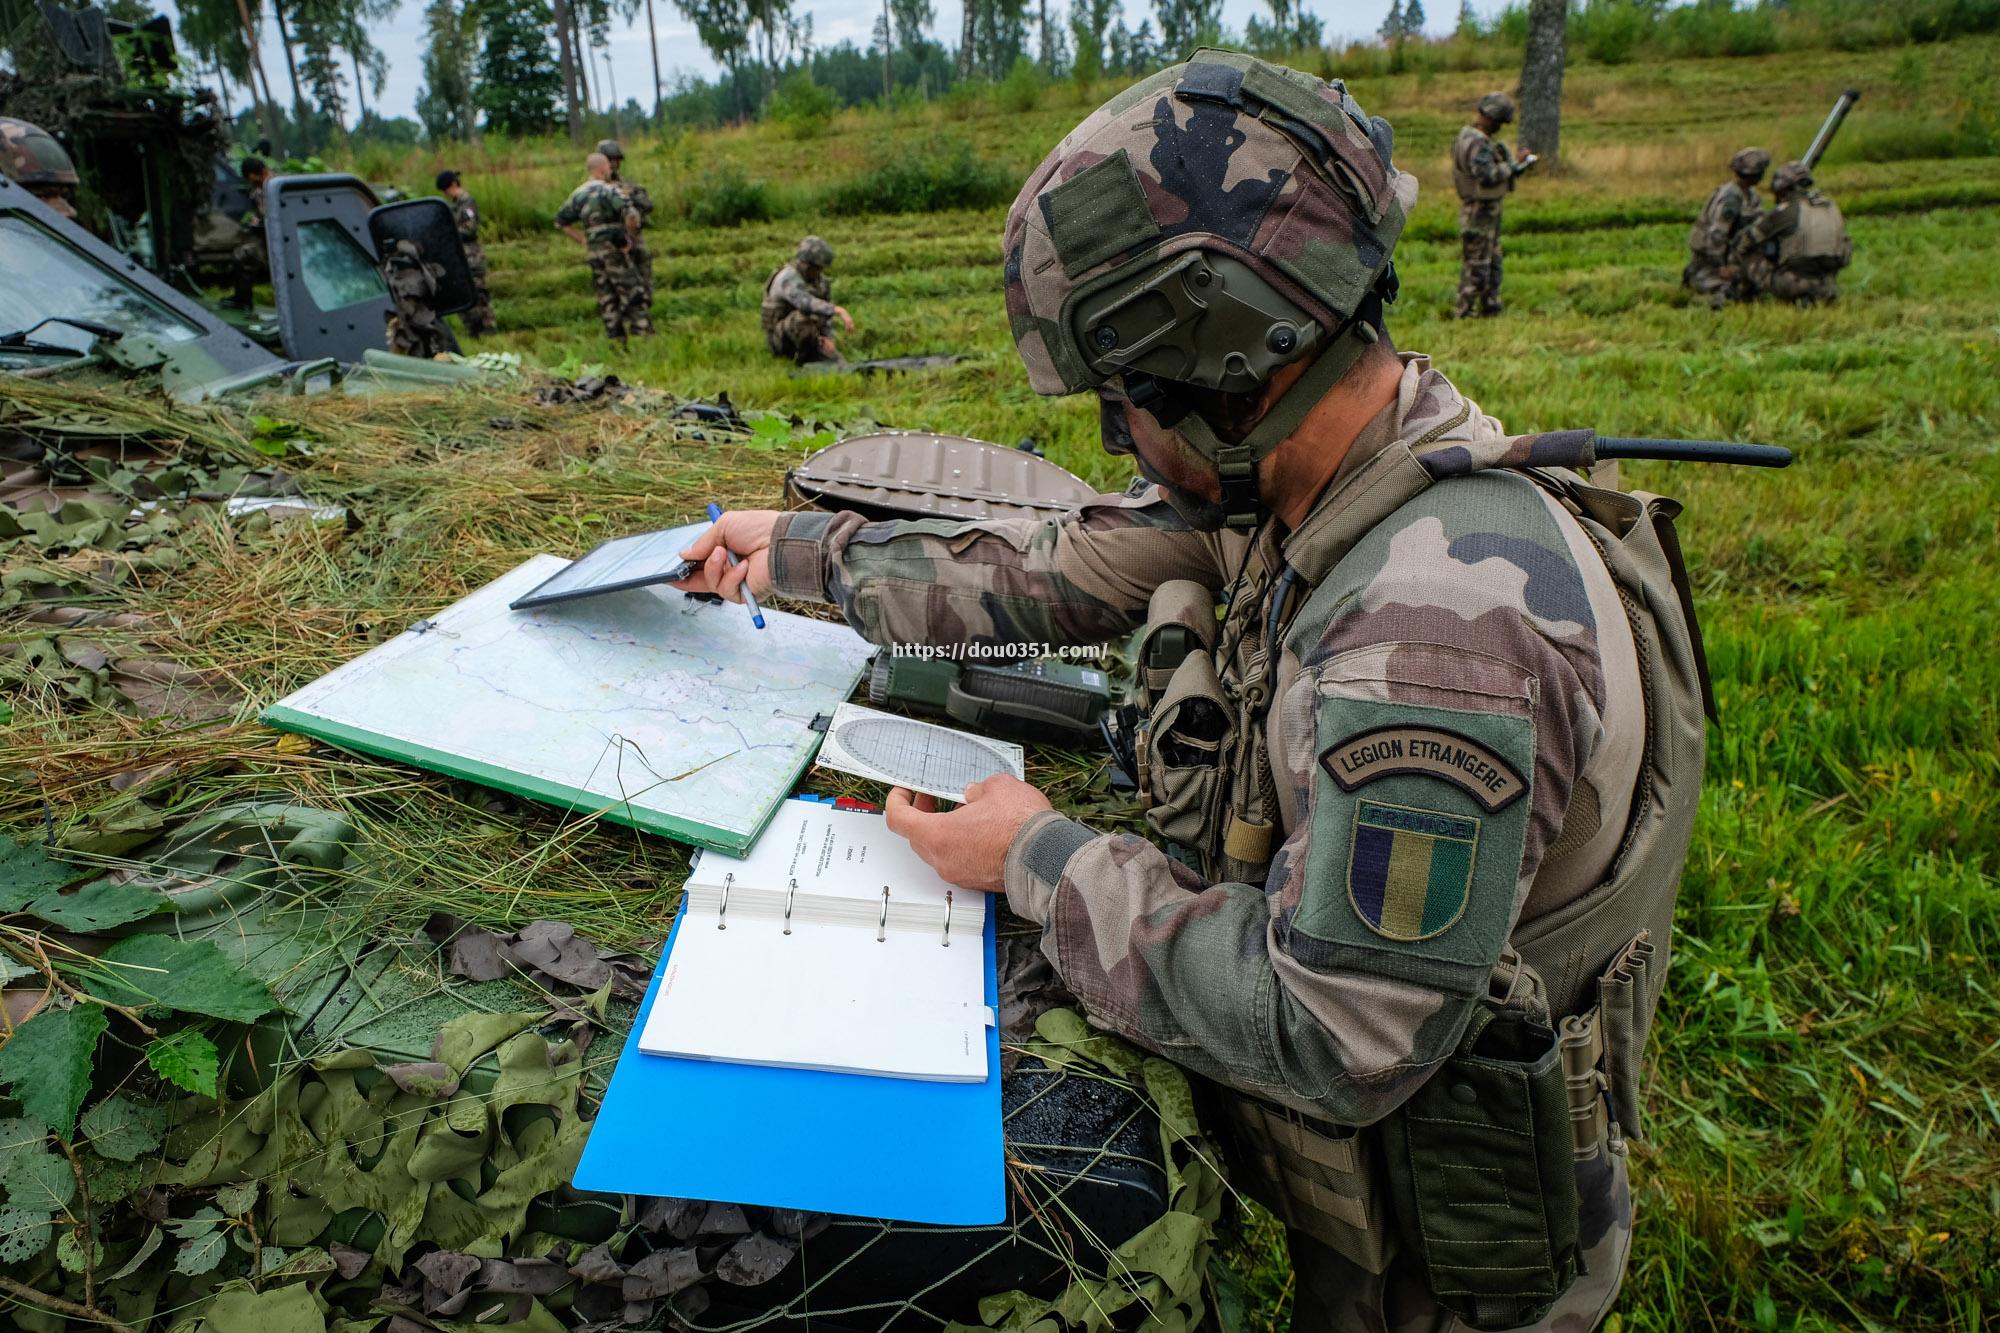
x: 1824, y: 1143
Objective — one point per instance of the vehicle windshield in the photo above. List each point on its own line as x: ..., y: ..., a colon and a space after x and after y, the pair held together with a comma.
x: 45, y: 277
x: 338, y: 272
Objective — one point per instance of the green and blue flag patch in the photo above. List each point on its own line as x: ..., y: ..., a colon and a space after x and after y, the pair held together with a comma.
x: 1409, y: 872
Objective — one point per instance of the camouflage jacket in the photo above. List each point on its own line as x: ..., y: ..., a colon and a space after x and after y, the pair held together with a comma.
x: 788, y: 290
x: 1480, y: 166
x: 465, y: 216
x: 1730, y: 209
x: 1474, y: 644
x: 600, y: 208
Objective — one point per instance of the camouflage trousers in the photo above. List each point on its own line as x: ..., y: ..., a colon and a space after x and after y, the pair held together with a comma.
x: 1479, y: 266
x: 797, y: 337
x: 1337, y: 1296
x: 624, y: 302
x: 478, y: 316
x: 1718, y: 281
x: 1763, y: 277
x: 251, y: 260
x: 642, y: 256
x: 416, y: 330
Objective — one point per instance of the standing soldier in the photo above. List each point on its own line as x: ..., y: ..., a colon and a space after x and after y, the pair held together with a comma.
x: 598, y: 217
x: 1732, y: 207
x: 798, y: 309
x: 1427, y: 784
x: 252, y: 255
x: 478, y: 316
x: 1484, y: 175
x: 1796, y: 250
x: 414, y: 327
x: 32, y: 159
x: 642, y: 254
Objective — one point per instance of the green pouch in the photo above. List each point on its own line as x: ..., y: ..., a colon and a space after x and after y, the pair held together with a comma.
x: 1480, y: 1172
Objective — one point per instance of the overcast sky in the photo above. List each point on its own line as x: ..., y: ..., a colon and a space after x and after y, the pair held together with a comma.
x: 834, y: 21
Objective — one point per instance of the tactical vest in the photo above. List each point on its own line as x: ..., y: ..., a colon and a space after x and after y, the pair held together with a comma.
x: 1470, y: 187
x: 1819, y: 244
x: 1591, y: 970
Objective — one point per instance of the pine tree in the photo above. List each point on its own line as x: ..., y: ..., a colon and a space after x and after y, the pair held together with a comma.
x: 1413, y: 19
x: 519, y: 87
x: 1392, y: 26
x: 1468, y: 22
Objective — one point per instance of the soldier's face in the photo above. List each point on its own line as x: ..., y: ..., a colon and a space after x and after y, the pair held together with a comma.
x: 1163, y: 457
x: 60, y: 198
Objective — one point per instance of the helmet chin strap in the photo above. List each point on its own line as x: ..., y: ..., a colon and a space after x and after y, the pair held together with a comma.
x: 1236, y: 464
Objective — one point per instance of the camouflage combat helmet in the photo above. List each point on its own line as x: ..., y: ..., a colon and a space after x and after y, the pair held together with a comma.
x: 31, y: 158
x: 1751, y: 162
x: 1209, y: 225
x: 1497, y: 107
x: 1792, y: 176
x: 610, y: 148
x: 814, y: 252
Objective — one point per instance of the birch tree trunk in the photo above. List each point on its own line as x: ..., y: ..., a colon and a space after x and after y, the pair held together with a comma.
x: 653, y: 37
x: 567, y: 61
x: 1542, y: 77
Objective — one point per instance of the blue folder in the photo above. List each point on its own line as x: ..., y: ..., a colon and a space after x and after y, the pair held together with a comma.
x: 908, y: 1150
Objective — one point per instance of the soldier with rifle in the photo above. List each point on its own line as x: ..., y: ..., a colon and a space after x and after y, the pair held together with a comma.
x: 1484, y: 175
x: 1795, y: 251
x: 642, y: 201
x: 600, y: 217
x: 465, y: 216
x: 1425, y: 709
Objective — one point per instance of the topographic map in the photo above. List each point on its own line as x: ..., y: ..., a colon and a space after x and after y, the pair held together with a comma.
x: 645, y: 706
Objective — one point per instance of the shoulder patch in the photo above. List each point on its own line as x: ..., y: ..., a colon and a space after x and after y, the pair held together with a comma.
x: 1409, y: 871
x: 1430, y: 752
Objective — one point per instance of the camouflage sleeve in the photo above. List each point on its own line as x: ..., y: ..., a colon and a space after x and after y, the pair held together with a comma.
x: 641, y: 200
x: 1723, y: 218
x: 1767, y: 227
x: 466, y: 215
x: 1447, y: 700
x: 792, y: 290
x: 571, y: 211
x: 1080, y: 579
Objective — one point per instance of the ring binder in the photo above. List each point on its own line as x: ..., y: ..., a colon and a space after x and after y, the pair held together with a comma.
x: 723, y: 911
x: 882, y: 925
x: 790, y: 894
x: 947, y: 918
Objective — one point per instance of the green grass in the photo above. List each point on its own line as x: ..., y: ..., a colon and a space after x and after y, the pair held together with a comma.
x: 1824, y: 1149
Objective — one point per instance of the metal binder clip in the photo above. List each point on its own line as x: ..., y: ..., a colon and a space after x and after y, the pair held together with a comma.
x: 723, y: 911
x: 790, y: 894
x: 882, y: 926
x: 947, y: 918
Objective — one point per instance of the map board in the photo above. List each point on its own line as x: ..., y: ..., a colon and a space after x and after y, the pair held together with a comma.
x: 646, y: 707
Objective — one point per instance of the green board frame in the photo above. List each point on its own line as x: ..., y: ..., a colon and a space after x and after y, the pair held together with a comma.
x: 573, y: 799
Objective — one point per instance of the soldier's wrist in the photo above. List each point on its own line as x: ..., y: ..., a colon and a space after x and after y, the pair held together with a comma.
x: 798, y: 555
x: 1037, y: 860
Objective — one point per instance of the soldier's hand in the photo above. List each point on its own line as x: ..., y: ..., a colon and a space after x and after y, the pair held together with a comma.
x: 747, y: 532
x: 967, y: 846
x: 1523, y: 155
x: 847, y: 320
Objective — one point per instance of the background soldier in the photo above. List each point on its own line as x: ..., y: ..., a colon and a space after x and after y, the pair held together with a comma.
x: 1732, y: 207
x: 598, y: 217
x: 465, y: 214
x: 252, y: 255
x: 798, y: 310
x: 414, y: 329
x: 32, y: 159
x: 1405, y: 762
x: 1796, y: 250
x: 636, y: 196
x: 1484, y: 175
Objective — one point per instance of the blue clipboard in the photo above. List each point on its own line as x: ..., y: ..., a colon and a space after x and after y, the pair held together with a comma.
x: 907, y: 1150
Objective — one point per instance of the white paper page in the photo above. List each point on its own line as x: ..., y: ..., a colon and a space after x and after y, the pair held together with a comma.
x: 827, y: 996
x: 840, y: 859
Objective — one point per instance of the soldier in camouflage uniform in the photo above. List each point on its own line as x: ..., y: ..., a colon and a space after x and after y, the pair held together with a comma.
x: 1796, y: 250
x: 252, y: 256
x: 1484, y: 175
x: 599, y: 217
x: 1710, y: 271
x: 32, y: 159
x: 478, y: 316
x: 798, y: 310
x: 636, y: 195
x: 1435, y: 762
x: 414, y: 328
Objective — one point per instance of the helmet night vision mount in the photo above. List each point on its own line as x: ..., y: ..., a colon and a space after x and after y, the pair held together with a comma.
x: 1204, y: 319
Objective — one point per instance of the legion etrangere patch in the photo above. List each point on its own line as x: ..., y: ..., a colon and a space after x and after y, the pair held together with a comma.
x: 1429, y: 752
x: 1409, y: 871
